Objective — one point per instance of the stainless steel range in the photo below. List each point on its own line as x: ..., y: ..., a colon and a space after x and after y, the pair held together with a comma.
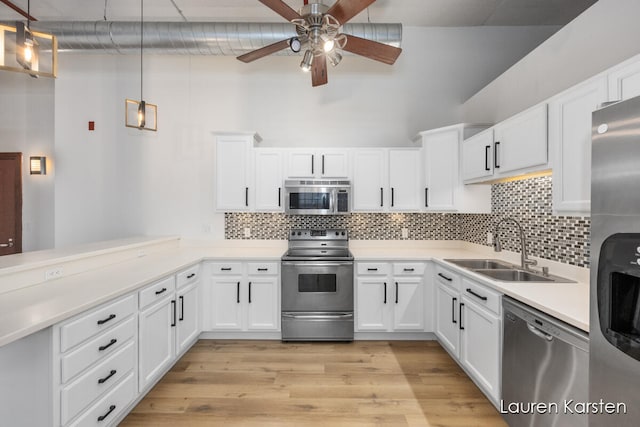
x: 317, y: 287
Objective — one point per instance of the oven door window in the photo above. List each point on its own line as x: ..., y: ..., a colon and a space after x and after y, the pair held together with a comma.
x: 317, y: 283
x: 303, y: 201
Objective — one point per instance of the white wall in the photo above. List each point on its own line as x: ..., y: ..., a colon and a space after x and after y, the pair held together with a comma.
x: 26, y: 126
x: 117, y: 181
x: 604, y: 35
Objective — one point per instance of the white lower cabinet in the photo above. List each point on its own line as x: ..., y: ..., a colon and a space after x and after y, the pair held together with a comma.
x: 469, y: 327
x: 157, y: 340
x: 188, y: 323
x: 390, y: 297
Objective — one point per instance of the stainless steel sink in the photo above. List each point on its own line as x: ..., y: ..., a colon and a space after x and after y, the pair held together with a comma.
x: 505, y: 272
x: 481, y: 264
x: 513, y: 275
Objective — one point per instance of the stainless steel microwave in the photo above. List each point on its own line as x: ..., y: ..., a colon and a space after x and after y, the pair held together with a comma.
x: 317, y: 197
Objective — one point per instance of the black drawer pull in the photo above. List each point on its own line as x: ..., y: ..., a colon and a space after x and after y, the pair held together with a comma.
x: 161, y: 291
x: 103, y: 321
x: 263, y: 269
x: 381, y: 197
x: 238, y: 293
x: 104, y: 417
x: 392, y: 197
x: 181, y: 308
x: 409, y: 269
x: 476, y: 295
x: 426, y: 197
x: 396, y: 292
x: 372, y: 269
x: 104, y: 347
x: 225, y: 269
x: 486, y: 157
x: 104, y: 380
x: 449, y: 279
x: 279, y: 196
x: 249, y: 292
x: 453, y: 310
x: 460, y: 316
x: 191, y: 275
x: 246, y: 196
x: 173, y: 318
x: 385, y: 292
x: 495, y: 155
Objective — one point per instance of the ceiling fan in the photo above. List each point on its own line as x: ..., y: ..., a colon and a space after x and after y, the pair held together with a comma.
x: 318, y: 28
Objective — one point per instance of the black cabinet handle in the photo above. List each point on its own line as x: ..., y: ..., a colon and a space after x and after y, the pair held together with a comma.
x: 409, y: 269
x: 238, y: 293
x: 372, y: 269
x: 460, y: 316
x: 263, y: 269
x: 453, y: 310
x: 445, y: 277
x: 105, y: 379
x: 279, y: 196
x: 323, y: 164
x: 103, y: 321
x: 246, y: 196
x: 385, y: 292
x: 483, y: 298
x: 225, y: 269
x: 181, y: 308
x: 392, y: 197
x: 161, y: 291
x: 495, y: 155
x: 381, y: 197
x: 104, y: 417
x: 312, y: 161
x: 191, y: 275
x: 173, y: 319
x: 396, y: 292
x: 426, y: 197
x: 249, y: 292
x: 104, y: 347
x: 486, y: 157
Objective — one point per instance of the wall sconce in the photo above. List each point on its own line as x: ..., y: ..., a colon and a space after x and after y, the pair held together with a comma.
x: 38, y: 165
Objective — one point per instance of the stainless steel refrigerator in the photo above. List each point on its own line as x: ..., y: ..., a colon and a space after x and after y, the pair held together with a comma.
x: 614, y: 349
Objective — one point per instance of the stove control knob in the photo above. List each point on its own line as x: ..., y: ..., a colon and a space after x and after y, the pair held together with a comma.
x: 299, y: 233
x: 293, y: 233
x: 343, y: 233
x: 337, y: 233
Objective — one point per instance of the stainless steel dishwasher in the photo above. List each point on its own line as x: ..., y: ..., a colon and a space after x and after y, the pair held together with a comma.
x: 545, y: 369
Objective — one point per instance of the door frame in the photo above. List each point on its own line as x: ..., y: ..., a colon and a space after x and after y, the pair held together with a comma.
x: 18, y: 188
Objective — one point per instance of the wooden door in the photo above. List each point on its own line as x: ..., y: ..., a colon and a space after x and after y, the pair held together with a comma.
x: 10, y: 203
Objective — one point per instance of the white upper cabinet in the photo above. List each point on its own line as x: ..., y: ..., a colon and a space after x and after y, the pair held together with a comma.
x: 405, y: 179
x: 477, y: 156
x: 624, y: 80
x: 318, y: 164
x: 234, y: 171
x: 570, y: 145
x: 520, y: 142
x: 268, y: 195
x: 369, y: 180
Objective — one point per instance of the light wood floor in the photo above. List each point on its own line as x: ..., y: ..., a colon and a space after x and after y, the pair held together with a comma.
x: 269, y: 383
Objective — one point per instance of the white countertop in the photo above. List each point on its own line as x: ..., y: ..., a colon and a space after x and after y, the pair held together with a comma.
x: 31, y: 308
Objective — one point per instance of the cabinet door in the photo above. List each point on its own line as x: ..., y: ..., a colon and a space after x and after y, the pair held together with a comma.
x: 521, y: 142
x: 301, y: 164
x: 263, y: 310
x: 624, y: 81
x: 447, y: 317
x: 334, y: 164
x: 570, y: 142
x: 441, y: 170
x: 188, y: 313
x: 268, y: 180
x: 156, y: 341
x: 369, y: 180
x: 226, y: 303
x: 372, y: 304
x: 408, y: 307
x: 480, y: 349
x: 477, y: 156
x: 232, y: 169
x: 404, y: 179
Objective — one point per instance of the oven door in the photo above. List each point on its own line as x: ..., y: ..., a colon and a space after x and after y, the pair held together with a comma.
x: 309, y: 200
x: 315, y: 286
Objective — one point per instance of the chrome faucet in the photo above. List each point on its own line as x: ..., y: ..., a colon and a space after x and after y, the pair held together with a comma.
x: 525, y: 262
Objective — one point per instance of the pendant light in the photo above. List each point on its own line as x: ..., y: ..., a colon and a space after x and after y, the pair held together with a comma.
x: 140, y: 114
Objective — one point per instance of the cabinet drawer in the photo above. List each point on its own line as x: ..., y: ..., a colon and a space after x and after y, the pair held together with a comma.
x: 99, y: 319
x: 408, y: 268
x: 110, y: 406
x: 190, y: 275
x: 96, y: 349
x: 96, y: 382
x: 372, y: 268
x: 265, y: 268
x: 232, y: 268
x: 481, y: 295
x: 447, y: 277
x: 157, y: 291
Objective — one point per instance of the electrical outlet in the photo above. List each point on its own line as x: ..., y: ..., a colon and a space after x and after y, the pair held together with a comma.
x: 489, y: 237
x: 54, y: 273
x: 247, y: 232
x: 405, y: 233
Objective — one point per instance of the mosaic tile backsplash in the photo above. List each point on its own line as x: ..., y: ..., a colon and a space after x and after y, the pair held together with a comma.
x: 557, y: 238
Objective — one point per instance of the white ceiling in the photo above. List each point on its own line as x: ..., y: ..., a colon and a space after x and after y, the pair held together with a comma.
x: 449, y: 13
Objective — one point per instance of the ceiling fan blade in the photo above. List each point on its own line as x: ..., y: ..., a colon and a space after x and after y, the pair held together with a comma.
x: 372, y: 50
x: 262, y: 52
x: 344, y: 10
x: 319, y: 71
x: 282, y: 9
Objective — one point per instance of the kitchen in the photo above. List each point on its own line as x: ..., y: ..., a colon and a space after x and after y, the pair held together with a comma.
x: 115, y: 182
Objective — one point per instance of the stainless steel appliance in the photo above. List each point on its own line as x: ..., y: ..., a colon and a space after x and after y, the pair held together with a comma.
x: 317, y: 287
x: 544, y: 361
x: 614, y: 355
x: 317, y: 197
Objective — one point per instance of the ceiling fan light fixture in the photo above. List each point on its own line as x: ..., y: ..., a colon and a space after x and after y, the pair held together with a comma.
x: 334, y: 57
x: 307, y: 60
x: 328, y: 45
x: 294, y: 44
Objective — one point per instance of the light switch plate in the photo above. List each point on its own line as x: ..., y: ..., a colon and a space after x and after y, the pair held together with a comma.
x: 247, y: 232
x: 405, y: 233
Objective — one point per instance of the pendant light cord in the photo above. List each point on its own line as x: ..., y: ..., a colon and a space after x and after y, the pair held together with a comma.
x: 28, y: 13
x: 141, y: 43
